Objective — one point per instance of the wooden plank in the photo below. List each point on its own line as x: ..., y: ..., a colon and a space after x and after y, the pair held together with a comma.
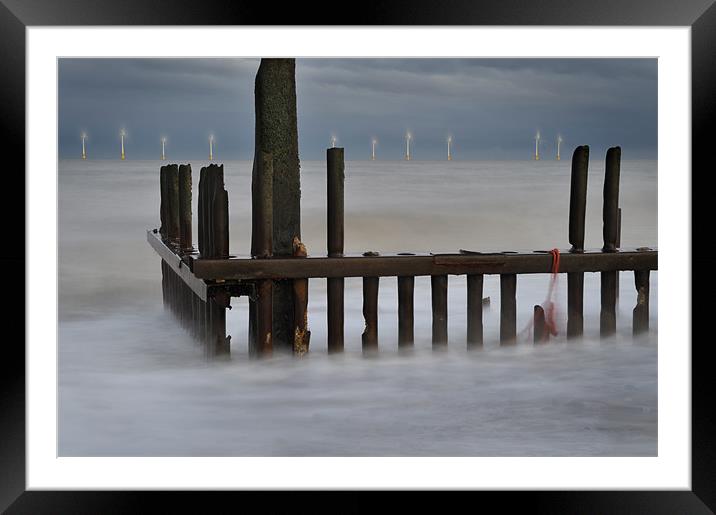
x: 575, y: 302
x: 406, y: 311
x: 439, y: 290
x: 419, y: 265
x: 508, y: 309
x: 335, y: 314
x: 608, y: 314
x: 539, y: 323
x: 474, y: 310
x: 370, y: 313
x: 198, y: 286
x: 641, y: 310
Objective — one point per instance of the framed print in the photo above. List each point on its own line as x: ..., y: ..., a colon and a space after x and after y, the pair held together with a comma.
x: 419, y: 252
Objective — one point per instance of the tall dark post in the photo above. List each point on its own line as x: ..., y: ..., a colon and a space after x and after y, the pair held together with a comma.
x: 370, y: 313
x: 641, y: 310
x: 261, y: 309
x: 610, y: 217
x: 200, y: 212
x: 619, y: 242
x: 185, y: 236
x: 277, y: 134
x: 577, y: 214
x: 610, y: 212
x: 474, y: 310
x: 163, y: 202
x: 173, y: 213
x: 578, y: 198
x: 406, y: 288
x: 508, y: 309
x: 213, y: 219
x: 439, y: 284
x: 336, y: 177
x: 213, y: 224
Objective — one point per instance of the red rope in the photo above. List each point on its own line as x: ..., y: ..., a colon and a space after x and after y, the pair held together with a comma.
x: 549, y: 305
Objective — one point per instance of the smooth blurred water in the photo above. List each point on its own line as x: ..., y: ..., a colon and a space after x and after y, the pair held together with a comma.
x: 131, y: 382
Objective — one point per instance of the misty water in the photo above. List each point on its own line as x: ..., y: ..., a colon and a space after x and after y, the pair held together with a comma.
x: 133, y: 383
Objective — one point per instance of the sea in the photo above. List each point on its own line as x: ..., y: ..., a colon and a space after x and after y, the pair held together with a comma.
x: 132, y: 382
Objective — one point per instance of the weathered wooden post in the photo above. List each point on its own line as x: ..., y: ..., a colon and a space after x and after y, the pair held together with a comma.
x: 163, y: 203
x: 610, y: 217
x: 335, y: 196
x: 370, y: 313
x: 213, y: 244
x: 540, y: 332
x: 439, y: 284
x: 577, y: 214
x: 610, y: 212
x: 474, y: 310
x: 406, y: 289
x: 172, y: 179
x: 641, y: 310
x: 221, y: 224
x: 277, y: 134
x: 261, y: 309
x: 619, y: 242
x: 508, y: 309
x: 185, y: 235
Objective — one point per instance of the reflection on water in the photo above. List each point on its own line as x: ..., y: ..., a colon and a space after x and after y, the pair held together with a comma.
x: 133, y: 383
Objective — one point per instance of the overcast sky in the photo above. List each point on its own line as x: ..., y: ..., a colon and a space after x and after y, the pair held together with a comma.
x: 491, y: 107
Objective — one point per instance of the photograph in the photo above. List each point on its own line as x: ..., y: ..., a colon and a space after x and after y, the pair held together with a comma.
x: 357, y: 257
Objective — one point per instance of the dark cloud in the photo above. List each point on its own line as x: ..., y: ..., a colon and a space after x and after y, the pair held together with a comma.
x: 492, y: 107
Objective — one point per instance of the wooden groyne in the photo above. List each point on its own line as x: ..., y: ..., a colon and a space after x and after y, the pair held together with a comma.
x: 199, y: 282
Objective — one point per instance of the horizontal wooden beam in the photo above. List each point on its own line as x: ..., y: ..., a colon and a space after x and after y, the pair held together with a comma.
x: 419, y: 265
x: 181, y: 268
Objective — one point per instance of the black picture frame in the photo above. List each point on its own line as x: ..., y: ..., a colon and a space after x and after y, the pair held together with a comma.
x: 16, y: 15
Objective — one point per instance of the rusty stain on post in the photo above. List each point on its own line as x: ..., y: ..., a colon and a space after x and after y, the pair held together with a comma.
x: 301, y: 335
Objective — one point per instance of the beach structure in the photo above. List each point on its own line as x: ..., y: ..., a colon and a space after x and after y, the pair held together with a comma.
x: 198, y: 282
